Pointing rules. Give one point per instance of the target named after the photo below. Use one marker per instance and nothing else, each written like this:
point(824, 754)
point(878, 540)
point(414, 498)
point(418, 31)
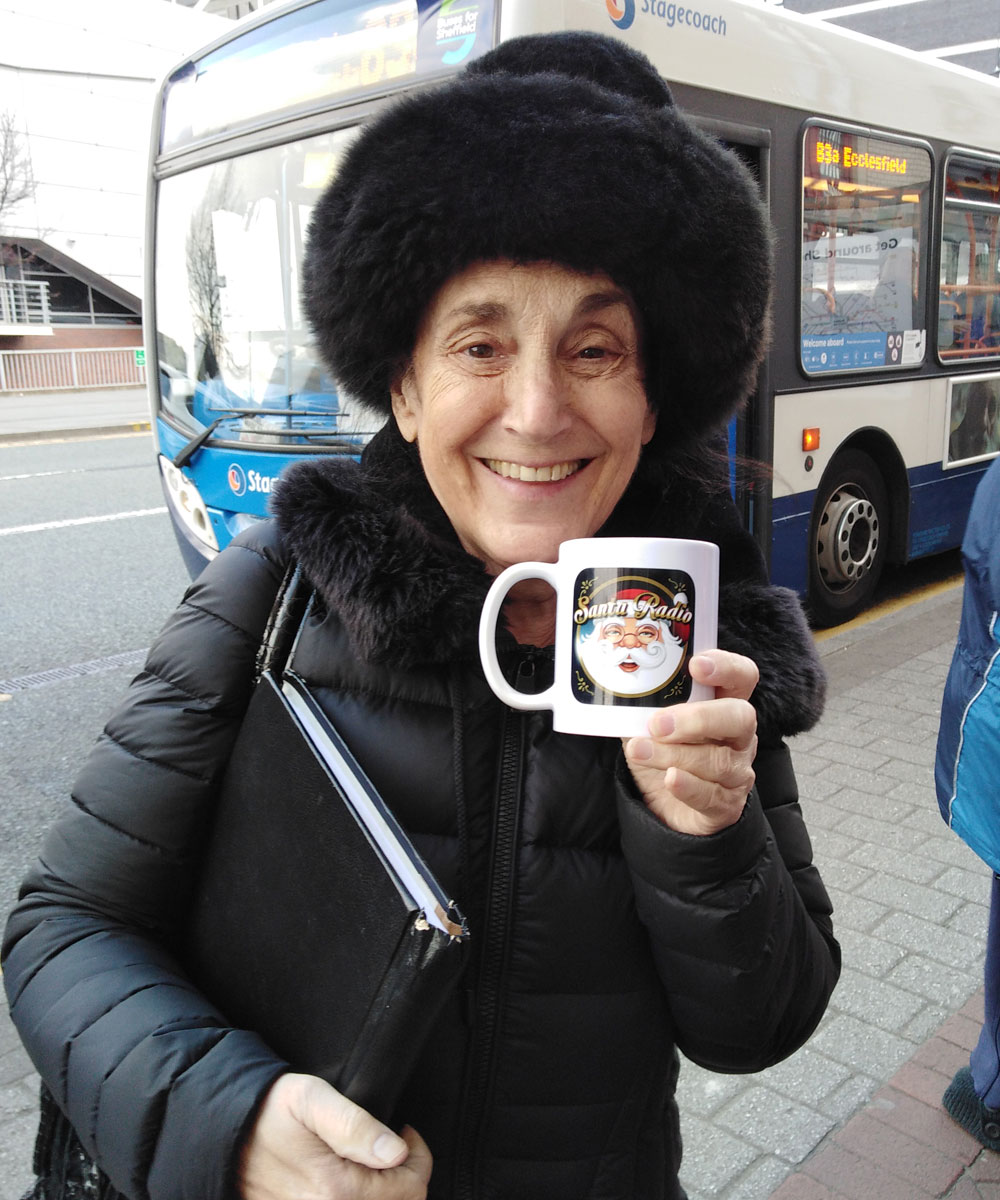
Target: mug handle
point(488, 639)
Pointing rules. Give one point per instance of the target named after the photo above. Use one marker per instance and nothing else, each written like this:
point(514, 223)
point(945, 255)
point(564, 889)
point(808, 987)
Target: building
point(78, 80)
point(231, 9)
point(61, 324)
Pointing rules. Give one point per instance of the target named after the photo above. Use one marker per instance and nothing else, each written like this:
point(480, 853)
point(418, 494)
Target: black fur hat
point(592, 56)
point(563, 148)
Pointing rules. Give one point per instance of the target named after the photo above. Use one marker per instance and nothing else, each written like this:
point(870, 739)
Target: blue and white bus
point(878, 406)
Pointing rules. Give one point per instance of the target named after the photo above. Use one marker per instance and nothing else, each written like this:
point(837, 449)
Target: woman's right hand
point(309, 1140)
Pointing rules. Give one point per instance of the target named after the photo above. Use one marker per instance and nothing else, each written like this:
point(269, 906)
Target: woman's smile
point(552, 473)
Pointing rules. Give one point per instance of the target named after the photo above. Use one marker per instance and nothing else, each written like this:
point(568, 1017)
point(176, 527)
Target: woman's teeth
point(549, 474)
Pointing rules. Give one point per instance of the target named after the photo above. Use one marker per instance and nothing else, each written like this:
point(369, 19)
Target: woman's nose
point(537, 407)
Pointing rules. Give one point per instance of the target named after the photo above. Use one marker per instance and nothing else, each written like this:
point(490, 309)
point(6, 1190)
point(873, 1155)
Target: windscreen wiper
point(188, 451)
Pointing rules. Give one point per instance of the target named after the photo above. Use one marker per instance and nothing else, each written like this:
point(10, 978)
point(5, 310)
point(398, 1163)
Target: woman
point(556, 290)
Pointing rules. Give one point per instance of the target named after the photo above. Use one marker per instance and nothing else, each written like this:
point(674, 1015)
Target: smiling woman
point(515, 272)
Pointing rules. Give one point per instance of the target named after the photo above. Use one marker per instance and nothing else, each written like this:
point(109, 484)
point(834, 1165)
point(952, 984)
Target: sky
point(80, 77)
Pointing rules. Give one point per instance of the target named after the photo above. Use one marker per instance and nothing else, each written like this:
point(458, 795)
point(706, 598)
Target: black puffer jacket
point(603, 939)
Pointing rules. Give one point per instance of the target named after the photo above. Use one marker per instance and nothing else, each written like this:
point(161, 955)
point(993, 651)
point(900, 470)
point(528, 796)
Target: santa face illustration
point(630, 655)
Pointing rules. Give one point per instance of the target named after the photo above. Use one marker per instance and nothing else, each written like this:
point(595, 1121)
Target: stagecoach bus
point(878, 407)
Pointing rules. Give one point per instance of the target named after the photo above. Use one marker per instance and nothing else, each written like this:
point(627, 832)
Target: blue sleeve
point(967, 765)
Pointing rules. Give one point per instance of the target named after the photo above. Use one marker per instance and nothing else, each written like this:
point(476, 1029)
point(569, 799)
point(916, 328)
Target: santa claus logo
point(632, 638)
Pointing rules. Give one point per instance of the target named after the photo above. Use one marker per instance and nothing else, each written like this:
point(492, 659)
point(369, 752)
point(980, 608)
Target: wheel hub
point(848, 539)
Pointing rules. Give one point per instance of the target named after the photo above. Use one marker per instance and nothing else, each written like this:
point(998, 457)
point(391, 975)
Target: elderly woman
point(556, 290)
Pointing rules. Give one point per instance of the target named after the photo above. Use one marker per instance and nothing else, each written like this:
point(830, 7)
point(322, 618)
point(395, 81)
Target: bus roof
point(765, 52)
point(740, 48)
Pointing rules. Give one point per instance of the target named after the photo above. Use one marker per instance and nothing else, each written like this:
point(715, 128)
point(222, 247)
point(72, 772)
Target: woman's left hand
point(694, 770)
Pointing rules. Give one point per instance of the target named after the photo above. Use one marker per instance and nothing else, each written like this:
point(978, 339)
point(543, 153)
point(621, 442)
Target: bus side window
point(865, 214)
point(969, 312)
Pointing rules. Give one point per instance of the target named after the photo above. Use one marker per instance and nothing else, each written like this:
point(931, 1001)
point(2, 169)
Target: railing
point(65, 370)
point(24, 302)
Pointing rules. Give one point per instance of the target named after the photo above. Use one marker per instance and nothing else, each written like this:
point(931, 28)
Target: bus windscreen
point(233, 348)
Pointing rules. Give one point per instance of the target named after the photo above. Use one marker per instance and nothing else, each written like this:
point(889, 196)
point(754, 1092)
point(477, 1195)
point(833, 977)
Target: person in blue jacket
point(967, 773)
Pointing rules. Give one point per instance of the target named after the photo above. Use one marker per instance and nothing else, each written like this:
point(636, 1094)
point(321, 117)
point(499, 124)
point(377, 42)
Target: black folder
point(315, 922)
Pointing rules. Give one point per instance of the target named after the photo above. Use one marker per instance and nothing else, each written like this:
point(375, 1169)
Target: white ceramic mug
point(630, 613)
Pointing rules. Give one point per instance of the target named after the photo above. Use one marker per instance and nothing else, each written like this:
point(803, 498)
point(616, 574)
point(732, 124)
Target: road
point(90, 571)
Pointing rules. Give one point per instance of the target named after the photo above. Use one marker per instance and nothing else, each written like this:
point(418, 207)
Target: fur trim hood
point(383, 557)
point(559, 148)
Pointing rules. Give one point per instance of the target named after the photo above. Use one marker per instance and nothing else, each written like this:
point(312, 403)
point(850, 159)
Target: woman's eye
point(480, 350)
point(593, 352)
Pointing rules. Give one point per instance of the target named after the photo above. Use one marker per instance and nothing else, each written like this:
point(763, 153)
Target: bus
point(877, 408)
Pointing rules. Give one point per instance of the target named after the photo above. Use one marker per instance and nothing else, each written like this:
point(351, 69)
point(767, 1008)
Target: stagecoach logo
point(241, 482)
point(621, 12)
point(237, 480)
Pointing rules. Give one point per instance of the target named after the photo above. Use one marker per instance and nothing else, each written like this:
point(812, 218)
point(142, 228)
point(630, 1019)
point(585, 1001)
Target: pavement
point(856, 1113)
point(25, 416)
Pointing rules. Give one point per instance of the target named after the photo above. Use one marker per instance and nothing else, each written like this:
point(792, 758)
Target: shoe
point(963, 1105)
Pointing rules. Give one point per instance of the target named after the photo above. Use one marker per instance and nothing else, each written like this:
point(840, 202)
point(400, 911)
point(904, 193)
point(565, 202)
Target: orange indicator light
point(810, 440)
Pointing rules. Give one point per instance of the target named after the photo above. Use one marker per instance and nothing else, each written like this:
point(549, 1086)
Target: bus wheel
point(848, 538)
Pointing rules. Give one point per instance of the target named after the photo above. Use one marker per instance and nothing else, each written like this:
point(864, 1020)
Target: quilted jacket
point(604, 941)
point(966, 764)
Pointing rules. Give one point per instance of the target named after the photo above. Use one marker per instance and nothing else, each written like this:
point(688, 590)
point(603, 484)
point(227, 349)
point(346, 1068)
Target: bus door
point(750, 432)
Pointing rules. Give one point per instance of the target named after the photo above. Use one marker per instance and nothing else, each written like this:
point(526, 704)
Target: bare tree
point(17, 179)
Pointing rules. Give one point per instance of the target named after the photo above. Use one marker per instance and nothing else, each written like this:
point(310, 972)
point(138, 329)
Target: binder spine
point(390, 1041)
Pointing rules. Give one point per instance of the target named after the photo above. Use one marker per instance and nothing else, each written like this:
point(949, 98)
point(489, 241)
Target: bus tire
point(848, 538)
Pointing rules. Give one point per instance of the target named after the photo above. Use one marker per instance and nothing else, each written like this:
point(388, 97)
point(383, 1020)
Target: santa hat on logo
point(629, 597)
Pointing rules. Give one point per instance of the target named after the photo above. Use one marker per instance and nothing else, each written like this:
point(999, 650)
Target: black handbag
point(310, 890)
point(63, 1169)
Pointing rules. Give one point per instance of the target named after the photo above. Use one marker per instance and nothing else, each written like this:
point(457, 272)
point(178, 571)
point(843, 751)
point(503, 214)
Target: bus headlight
point(187, 505)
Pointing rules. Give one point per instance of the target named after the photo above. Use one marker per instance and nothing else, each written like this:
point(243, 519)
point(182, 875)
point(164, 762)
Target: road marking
point(22, 683)
point(891, 606)
point(855, 10)
point(14, 441)
point(963, 48)
point(46, 474)
point(121, 516)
